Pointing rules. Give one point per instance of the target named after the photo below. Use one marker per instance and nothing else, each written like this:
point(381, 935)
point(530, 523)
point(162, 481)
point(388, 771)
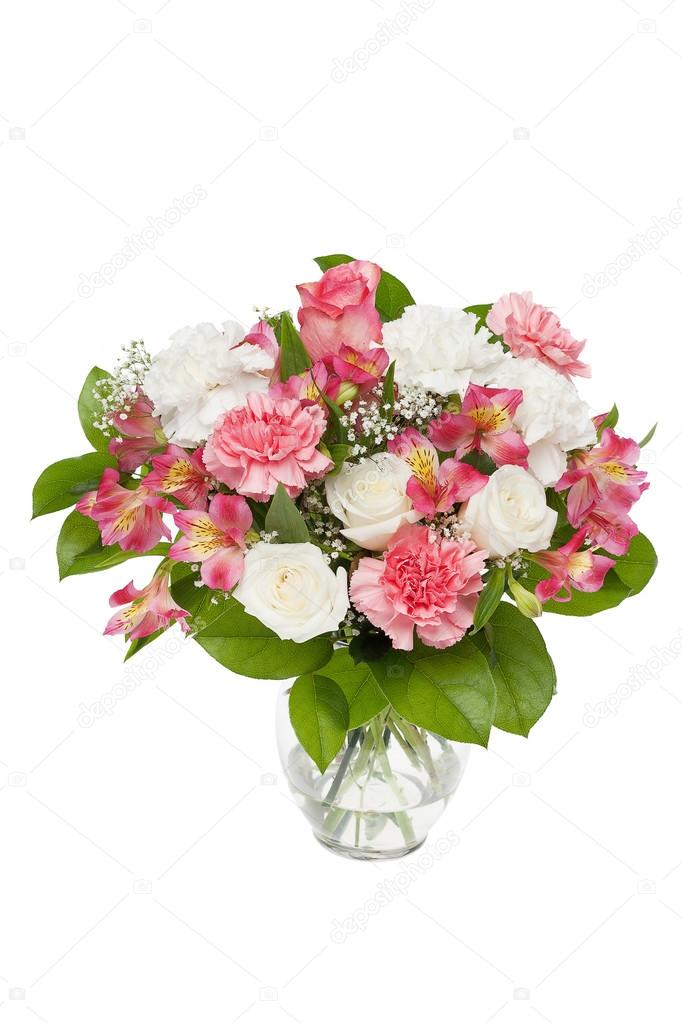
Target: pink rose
point(339, 309)
point(533, 331)
point(421, 581)
point(266, 442)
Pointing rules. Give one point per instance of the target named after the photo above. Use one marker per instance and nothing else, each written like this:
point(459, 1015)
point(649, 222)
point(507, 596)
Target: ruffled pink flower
point(266, 442)
point(422, 581)
point(181, 474)
point(141, 434)
point(148, 610)
point(534, 332)
point(484, 424)
point(571, 568)
point(434, 488)
point(606, 471)
point(130, 518)
point(339, 309)
point(215, 539)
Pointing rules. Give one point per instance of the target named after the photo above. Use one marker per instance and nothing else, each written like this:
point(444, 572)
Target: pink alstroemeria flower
point(181, 474)
point(484, 424)
point(141, 432)
point(149, 609)
point(130, 518)
point(571, 568)
point(307, 387)
point(605, 471)
point(263, 335)
point(358, 371)
point(434, 488)
point(534, 332)
point(215, 539)
point(609, 526)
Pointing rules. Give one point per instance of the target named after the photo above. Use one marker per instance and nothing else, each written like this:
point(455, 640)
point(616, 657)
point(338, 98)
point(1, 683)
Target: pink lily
point(609, 526)
point(141, 432)
point(181, 474)
point(130, 518)
point(571, 568)
point(484, 424)
point(606, 470)
point(434, 488)
point(216, 539)
point(149, 609)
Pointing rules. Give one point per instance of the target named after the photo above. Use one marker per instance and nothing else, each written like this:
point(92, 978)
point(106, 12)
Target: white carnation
point(552, 417)
point(201, 375)
point(439, 348)
point(291, 589)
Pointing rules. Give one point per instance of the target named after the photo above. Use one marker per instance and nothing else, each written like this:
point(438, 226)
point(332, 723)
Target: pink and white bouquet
point(376, 502)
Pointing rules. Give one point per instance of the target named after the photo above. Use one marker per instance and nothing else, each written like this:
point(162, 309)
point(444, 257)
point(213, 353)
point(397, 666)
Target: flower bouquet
point(373, 506)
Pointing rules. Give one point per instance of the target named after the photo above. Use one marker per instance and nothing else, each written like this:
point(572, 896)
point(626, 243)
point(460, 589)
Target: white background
point(153, 867)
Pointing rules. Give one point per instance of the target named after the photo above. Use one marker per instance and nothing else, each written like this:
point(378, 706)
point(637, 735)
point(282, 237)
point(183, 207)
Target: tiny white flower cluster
point(266, 537)
point(368, 426)
point(451, 528)
point(117, 393)
point(325, 525)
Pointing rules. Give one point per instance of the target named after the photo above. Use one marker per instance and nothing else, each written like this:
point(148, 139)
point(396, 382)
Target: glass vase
point(384, 790)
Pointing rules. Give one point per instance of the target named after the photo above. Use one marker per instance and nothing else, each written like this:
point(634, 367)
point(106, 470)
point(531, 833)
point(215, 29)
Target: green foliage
point(522, 670)
point(89, 410)
point(490, 597)
point(648, 436)
point(319, 715)
point(609, 422)
point(363, 696)
point(636, 568)
point(284, 518)
point(64, 483)
point(294, 359)
point(449, 692)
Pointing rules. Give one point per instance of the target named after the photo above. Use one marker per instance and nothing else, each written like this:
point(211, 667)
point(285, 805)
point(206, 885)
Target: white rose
point(552, 417)
point(201, 375)
point(509, 514)
point(290, 588)
point(370, 499)
point(439, 348)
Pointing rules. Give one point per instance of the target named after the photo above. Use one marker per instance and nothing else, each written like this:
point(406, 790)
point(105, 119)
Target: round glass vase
point(384, 790)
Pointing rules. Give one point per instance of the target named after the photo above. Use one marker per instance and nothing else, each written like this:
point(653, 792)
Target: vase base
point(352, 852)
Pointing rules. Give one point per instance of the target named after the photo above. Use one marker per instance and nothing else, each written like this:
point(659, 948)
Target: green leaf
point(136, 645)
point(89, 409)
point(338, 454)
point(481, 314)
point(388, 392)
point(319, 714)
point(335, 414)
point(609, 422)
point(636, 568)
point(645, 440)
point(294, 359)
point(522, 670)
point(285, 519)
point(80, 550)
point(64, 483)
point(240, 642)
point(490, 597)
point(581, 605)
point(449, 692)
point(392, 296)
point(364, 697)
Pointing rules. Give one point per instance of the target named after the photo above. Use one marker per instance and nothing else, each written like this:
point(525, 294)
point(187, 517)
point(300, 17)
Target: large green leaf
point(364, 697)
point(522, 669)
point(450, 692)
point(89, 410)
point(319, 714)
point(285, 519)
point(392, 296)
point(293, 357)
point(80, 550)
point(64, 483)
point(240, 642)
point(636, 568)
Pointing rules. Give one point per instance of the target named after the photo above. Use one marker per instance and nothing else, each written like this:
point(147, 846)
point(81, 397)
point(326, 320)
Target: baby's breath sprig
point(116, 394)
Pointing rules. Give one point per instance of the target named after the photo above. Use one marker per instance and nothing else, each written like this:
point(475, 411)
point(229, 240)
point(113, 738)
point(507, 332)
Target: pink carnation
point(534, 332)
point(421, 581)
point(266, 442)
